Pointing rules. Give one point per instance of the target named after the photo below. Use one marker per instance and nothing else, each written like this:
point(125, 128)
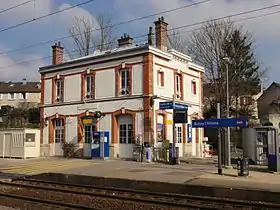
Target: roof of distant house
point(20, 87)
point(209, 89)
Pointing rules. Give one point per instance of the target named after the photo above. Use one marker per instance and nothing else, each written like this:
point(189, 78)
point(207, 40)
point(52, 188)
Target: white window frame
point(179, 134)
point(124, 81)
point(125, 133)
point(89, 129)
point(89, 85)
point(10, 96)
point(21, 96)
point(59, 130)
point(59, 90)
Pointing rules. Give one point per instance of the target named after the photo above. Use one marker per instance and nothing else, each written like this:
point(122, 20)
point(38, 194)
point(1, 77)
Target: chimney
point(57, 53)
point(125, 40)
point(161, 34)
point(151, 36)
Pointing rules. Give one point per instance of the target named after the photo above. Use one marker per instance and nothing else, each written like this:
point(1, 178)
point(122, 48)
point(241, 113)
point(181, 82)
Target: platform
point(200, 179)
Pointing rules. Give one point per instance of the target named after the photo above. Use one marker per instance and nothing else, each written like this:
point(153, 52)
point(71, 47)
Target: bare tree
point(81, 33)
point(176, 41)
point(89, 36)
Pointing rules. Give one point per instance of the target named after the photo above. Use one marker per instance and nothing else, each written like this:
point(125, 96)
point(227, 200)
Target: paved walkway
point(199, 174)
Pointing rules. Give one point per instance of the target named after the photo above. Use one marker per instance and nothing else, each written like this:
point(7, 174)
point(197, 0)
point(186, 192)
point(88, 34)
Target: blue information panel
point(169, 105)
point(222, 122)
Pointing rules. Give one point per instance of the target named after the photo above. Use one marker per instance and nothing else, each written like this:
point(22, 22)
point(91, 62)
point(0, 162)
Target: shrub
point(68, 149)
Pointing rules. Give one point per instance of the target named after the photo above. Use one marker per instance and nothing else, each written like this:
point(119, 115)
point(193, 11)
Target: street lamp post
point(228, 162)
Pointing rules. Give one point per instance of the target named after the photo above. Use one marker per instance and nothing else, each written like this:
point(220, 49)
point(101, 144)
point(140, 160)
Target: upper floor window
point(246, 100)
point(160, 78)
point(194, 87)
point(12, 96)
point(59, 90)
point(178, 86)
point(89, 85)
point(23, 96)
point(125, 81)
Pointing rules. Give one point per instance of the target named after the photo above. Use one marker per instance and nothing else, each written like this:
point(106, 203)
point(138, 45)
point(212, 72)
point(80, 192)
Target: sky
point(13, 65)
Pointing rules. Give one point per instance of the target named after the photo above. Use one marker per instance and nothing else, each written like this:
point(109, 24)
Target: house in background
point(20, 94)
point(269, 105)
point(126, 84)
point(246, 102)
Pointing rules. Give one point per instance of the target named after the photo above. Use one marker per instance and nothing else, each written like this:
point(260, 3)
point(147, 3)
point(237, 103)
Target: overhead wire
point(179, 27)
point(16, 6)
point(45, 16)
point(111, 26)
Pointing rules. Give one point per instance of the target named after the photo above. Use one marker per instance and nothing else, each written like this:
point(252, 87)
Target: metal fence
point(161, 154)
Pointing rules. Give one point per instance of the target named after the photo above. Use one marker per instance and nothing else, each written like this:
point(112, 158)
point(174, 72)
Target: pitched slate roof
point(20, 87)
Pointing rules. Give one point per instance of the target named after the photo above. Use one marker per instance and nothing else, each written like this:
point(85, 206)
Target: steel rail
point(44, 201)
point(166, 195)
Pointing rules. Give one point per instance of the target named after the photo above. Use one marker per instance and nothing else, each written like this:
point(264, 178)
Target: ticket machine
point(100, 145)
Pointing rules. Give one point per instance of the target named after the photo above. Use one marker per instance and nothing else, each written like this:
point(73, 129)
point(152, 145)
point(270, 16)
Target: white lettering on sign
point(206, 123)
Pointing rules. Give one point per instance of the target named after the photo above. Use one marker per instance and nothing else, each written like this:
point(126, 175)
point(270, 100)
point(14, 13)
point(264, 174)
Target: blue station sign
point(221, 122)
point(171, 105)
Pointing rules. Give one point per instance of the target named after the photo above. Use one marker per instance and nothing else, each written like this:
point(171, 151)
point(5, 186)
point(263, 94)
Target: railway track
point(91, 197)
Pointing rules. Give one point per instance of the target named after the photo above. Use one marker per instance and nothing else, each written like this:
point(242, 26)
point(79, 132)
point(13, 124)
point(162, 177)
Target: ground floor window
point(179, 134)
point(125, 133)
point(59, 130)
point(89, 129)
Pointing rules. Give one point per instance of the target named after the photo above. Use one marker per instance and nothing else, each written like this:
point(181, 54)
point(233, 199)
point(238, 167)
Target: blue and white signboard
point(171, 105)
point(221, 122)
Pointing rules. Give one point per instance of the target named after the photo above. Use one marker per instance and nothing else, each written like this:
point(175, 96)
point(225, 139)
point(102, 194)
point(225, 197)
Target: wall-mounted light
point(46, 120)
point(123, 65)
point(88, 71)
point(87, 113)
point(58, 76)
point(56, 115)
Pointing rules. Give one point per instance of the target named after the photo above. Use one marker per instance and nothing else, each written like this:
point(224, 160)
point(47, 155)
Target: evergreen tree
point(244, 72)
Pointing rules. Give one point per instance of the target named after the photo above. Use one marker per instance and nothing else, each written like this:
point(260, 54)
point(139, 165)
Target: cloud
point(11, 67)
point(206, 11)
point(25, 12)
point(65, 19)
point(11, 70)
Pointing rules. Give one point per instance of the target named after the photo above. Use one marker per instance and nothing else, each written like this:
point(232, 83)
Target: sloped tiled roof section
point(20, 87)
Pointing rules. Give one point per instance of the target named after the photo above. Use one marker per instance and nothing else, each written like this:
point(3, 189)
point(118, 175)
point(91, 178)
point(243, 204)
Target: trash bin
point(243, 166)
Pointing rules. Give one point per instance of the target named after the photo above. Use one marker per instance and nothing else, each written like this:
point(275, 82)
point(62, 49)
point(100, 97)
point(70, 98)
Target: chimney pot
point(125, 40)
point(57, 53)
point(151, 36)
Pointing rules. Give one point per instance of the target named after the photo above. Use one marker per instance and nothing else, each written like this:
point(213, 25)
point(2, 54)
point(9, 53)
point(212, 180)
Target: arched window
point(59, 130)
